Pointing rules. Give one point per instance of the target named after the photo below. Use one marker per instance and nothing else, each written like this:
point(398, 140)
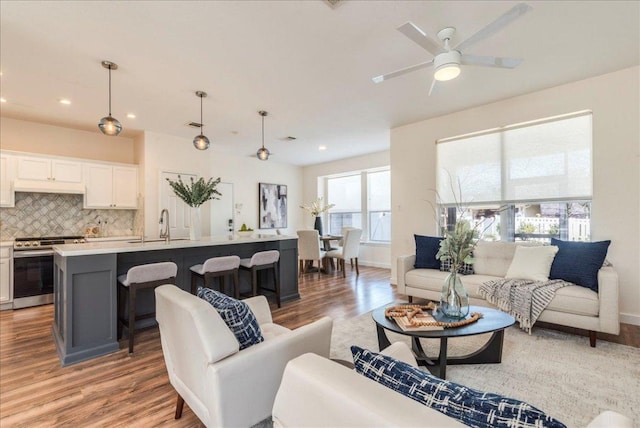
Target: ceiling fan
point(447, 60)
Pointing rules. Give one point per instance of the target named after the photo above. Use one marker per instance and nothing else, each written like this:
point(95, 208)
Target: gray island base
point(85, 284)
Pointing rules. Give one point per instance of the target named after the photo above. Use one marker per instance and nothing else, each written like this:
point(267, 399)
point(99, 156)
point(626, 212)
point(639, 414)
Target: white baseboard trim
point(373, 264)
point(632, 319)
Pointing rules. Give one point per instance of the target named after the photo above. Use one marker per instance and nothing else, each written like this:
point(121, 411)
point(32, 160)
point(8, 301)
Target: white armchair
point(223, 386)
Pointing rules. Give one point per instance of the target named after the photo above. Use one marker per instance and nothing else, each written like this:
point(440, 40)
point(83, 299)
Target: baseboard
point(373, 264)
point(632, 319)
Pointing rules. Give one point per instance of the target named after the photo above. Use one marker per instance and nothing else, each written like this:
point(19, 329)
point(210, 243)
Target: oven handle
point(34, 253)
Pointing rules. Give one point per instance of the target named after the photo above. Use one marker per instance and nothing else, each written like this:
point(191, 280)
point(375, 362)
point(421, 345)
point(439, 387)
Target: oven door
point(32, 278)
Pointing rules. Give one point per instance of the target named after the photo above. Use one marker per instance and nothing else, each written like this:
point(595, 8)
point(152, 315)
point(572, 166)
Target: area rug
point(557, 372)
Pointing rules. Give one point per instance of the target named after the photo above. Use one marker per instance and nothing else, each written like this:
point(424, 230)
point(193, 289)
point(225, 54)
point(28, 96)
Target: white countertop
point(111, 247)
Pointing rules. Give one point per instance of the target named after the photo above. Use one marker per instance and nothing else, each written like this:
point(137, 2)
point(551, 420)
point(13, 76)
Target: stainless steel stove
point(33, 269)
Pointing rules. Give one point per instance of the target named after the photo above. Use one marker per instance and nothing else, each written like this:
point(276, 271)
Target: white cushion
point(533, 263)
point(261, 258)
point(217, 264)
point(149, 272)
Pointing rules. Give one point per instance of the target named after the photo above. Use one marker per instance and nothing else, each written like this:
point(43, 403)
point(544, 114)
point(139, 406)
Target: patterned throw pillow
point(472, 407)
point(236, 314)
point(466, 269)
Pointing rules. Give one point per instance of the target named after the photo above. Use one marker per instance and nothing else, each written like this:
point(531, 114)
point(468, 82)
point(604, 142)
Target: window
point(523, 182)
point(362, 200)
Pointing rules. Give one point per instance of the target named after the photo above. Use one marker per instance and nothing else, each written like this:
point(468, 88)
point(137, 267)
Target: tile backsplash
point(49, 214)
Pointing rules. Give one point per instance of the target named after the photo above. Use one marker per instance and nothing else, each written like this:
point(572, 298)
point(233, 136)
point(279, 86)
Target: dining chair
point(349, 250)
point(309, 250)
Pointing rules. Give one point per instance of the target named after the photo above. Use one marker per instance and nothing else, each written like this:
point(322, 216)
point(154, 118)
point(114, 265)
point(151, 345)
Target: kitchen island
point(85, 283)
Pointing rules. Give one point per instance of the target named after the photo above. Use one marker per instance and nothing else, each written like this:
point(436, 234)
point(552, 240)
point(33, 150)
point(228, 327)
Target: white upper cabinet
point(43, 169)
point(111, 186)
point(7, 174)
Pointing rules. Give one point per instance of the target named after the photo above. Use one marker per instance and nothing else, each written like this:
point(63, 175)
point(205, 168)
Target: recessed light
point(3, 100)
point(322, 147)
point(131, 115)
point(64, 101)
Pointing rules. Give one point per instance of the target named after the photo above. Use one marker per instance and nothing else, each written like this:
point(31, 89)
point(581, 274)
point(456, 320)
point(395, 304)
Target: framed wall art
point(273, 206)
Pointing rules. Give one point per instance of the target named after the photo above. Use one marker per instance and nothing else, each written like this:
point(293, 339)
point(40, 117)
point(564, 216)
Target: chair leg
point(319, 268)
point(344, 275)
point(351, 261)
point(121, 300)
point(236, 283)
point(132, 316)
point(300, 268)
point(592, 338)
point(179, 406)
point(254, 281)
point(410, 299)
point(194, 283)
point(277, 282)
point(357, 269)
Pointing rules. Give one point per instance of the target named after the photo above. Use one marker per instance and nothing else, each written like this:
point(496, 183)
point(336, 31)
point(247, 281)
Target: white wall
point(168, 153)
point(32, 137)
point(370, 254)
point(615, 102)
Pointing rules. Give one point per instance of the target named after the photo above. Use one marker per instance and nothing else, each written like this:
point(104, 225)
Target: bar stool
point(137, 278)
point(261, 261)
point(217, 267)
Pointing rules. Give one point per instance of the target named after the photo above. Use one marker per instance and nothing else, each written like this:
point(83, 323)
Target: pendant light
point(201, 142)
point(110, 125)
point(263, 153)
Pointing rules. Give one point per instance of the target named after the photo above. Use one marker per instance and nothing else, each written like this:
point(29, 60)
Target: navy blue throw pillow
point(579, 262)
point(471, 407)
point(426, 249)
point(236, 314)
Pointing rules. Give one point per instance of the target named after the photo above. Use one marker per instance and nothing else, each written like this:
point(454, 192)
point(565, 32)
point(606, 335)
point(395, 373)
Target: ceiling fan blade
point(434, 82)
point(397, 73)
point(417, 35)
point(501, 22)
point(491, 61)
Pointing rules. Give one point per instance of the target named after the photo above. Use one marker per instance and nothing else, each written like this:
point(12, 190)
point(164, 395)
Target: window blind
point(544, 161)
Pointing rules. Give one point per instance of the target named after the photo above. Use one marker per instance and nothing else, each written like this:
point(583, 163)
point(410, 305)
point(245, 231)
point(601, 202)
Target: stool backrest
point(220, 264)
point(265, 257)
point(308, 244)
point(152, 272)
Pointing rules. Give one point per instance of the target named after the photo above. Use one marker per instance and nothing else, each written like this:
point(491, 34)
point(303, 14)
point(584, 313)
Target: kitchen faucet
point(166, 234)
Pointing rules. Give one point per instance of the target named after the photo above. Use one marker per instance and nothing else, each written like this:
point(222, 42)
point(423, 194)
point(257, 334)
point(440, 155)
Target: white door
point(222, 211)
point(125, 187)
point(99, 181)
point(178, 211)
point(34, 169)
point(66, 171)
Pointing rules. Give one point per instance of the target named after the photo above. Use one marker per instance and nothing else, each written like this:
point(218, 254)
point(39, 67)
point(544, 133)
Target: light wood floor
point(119, 390)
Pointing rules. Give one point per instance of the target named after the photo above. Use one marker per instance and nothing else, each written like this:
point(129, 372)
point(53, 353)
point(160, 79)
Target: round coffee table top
point(492, 320)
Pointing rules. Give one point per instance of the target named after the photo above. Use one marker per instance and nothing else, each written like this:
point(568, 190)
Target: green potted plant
point(457, 248)
point(244, 231)
point(195, 193)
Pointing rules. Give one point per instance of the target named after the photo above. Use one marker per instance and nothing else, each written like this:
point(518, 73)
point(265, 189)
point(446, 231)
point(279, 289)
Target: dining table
point(329, 266)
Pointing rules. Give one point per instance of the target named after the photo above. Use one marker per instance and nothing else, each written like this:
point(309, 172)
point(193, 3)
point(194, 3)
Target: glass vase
point(454, 300)
point(195, 228)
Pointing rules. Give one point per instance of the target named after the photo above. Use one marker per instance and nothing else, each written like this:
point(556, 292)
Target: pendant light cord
point(109, 90)
point(262, 132)
point(201, 123)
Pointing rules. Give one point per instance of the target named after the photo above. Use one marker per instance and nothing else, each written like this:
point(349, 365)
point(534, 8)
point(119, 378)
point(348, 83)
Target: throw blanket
point(521, 298)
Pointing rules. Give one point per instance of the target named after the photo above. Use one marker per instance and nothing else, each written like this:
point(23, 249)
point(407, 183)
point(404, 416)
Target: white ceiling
point(308, 65)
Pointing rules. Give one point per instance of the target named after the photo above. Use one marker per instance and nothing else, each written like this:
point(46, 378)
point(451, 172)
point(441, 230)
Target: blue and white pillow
point(465, 269)
point(471, 407)
point(236, 314)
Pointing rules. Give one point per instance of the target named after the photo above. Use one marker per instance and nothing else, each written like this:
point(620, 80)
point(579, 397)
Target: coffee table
point(493, 321)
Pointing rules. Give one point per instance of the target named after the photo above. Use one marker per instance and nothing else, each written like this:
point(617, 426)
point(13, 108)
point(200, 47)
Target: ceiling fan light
point(201, 142)
point(447, 72)
point(110, 126)
point(263, 154)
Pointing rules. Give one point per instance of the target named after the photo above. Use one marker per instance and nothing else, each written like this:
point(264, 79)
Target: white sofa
point(317, 392)
point(573, 306)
